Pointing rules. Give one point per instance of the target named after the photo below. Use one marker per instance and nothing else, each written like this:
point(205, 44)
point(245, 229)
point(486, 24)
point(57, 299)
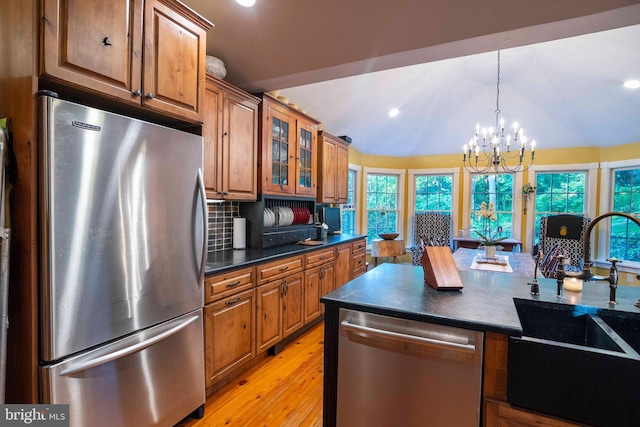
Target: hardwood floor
point(283, 390)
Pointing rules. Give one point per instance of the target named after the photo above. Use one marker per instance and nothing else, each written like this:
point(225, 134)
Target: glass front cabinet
point(289, 150)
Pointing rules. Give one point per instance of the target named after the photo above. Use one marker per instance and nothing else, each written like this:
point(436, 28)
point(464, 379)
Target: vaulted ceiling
point(347, 63)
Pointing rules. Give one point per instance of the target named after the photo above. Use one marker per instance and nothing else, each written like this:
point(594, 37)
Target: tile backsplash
point(220, 225)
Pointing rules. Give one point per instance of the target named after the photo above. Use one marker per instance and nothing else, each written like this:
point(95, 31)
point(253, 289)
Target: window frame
point(401, 173)
point(607, 169)
point(411, 197)
point(591, 182)
point(357, 184)
point(516, 226)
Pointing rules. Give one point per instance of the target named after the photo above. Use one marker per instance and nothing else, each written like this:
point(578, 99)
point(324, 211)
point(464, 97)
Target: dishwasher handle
point(411, 339)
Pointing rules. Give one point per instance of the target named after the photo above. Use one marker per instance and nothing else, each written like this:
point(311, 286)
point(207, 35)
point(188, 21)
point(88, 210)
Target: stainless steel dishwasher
point(396, 372)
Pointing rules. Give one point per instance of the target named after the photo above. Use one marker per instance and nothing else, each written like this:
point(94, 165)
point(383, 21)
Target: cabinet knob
point(225, 134)
point(137, 92)
point(149, 95)
point(106, 42)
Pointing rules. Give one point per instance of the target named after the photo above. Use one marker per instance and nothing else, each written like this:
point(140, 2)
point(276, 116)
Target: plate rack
point(261, 236)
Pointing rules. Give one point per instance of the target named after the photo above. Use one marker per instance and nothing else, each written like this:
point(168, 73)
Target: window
point(569, 188)
point(624, 239)
point(434, 190)
point(433, 193)
point(384, 191)
point(559, 193)
point(349, 208)
point(496, 189)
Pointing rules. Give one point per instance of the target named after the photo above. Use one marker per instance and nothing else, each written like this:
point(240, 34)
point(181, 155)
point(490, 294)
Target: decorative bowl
point(388, 236)
point(215, 67)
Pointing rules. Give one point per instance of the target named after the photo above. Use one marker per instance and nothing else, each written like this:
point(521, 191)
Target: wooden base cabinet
point(333, 164)
point(229, 334)
point(280, 300)
point(230, 132)
point(229, 322)
point(280, 309)
point(359, 258)
point(149, 53)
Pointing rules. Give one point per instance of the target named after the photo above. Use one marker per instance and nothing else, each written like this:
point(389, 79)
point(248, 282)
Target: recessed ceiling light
point(246, 3)
point(632, 84)
point(394, 112)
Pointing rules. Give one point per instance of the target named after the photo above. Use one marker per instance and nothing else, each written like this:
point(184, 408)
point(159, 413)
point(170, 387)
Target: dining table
point(516, 263)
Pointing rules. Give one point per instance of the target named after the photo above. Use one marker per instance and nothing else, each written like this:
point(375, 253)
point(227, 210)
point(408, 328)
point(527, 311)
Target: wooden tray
point(311, 243)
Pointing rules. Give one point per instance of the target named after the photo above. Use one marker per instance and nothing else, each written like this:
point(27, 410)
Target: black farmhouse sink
point(577, 363)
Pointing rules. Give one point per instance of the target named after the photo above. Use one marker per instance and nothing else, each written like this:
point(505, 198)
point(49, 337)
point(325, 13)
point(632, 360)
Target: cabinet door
point(278, 153)
point(99, 48)
point(327, 280)
point(293, 304)
point(229, 334)
point(269, 316)
point(211, 134)
point(306, 158)
point(174, 58)
point(239, 149)
point(343, 265)
point(342, 174)
point(312, 288)
point(327, 178)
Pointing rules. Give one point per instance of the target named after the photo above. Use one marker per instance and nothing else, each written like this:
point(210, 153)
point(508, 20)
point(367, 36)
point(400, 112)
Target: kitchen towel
point(239, 233)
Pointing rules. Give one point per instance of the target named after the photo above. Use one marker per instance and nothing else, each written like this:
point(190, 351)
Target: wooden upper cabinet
point(288, 146)
point(230, 131)
point(149, 53)
point(333, 164)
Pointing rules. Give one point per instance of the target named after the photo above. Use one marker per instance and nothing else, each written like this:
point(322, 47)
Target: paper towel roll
point(239, 233)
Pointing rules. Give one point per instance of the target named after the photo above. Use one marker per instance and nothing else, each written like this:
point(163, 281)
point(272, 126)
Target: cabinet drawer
point(359, 246)
point(320, 257)
point(359, 260)
point(269, 240)
point(223, 285)
point(359, 271)
point(280, 268)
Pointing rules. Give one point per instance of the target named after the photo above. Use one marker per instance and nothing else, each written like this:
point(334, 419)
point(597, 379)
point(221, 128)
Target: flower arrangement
point(527, 190)
point(487, 214)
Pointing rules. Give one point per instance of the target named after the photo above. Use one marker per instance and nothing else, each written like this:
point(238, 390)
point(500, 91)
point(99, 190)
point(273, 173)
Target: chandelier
point(492, 148)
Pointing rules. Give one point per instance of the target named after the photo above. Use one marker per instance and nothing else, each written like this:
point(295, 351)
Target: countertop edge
point(231, 259)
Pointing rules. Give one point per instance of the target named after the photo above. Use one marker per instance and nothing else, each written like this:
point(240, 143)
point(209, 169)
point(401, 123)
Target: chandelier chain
point(498, 93)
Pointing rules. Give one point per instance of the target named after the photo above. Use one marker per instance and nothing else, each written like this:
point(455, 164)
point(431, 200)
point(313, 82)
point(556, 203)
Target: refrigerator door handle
point(83, 366)
point(203, 195)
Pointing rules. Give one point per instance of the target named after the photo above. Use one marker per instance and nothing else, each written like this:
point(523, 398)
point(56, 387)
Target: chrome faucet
point(586, 273)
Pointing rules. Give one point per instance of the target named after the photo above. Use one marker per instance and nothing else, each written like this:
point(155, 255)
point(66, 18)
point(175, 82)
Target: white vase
point(490, 252)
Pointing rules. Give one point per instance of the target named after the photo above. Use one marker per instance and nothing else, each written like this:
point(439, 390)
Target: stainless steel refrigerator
point(123, 222)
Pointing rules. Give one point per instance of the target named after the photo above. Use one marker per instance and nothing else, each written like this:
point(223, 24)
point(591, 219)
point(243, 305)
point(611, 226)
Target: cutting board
point(440, 271)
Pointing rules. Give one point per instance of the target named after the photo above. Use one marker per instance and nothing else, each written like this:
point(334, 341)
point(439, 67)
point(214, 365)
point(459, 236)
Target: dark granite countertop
point(485, 303)
point(220, 261)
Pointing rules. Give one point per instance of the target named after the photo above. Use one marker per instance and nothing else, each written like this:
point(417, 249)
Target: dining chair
point(430, 228)
point(562, 234)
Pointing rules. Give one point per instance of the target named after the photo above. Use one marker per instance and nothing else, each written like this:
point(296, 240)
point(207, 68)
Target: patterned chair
point(430, 226)
point(562, 234)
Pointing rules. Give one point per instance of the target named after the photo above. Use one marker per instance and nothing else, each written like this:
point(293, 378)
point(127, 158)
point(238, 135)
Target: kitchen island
point(486, 304)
